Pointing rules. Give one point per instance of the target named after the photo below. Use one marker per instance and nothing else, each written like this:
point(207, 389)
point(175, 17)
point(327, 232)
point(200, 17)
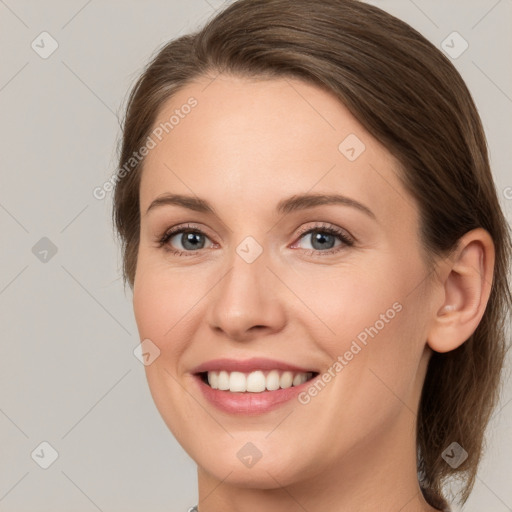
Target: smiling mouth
point(254, 382)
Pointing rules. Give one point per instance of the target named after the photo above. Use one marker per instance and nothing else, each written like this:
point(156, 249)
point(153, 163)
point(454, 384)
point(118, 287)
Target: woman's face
point(261, 272)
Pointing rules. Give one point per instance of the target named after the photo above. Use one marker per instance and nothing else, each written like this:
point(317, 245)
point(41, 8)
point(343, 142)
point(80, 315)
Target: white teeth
point(223, 381)
point(273, 380)
point(299, 379)
point(237, 382)
point(213, 380)
point(286, 380)
point(257, 381)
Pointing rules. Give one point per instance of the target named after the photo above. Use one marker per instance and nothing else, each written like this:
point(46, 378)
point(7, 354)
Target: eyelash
point(346, 240)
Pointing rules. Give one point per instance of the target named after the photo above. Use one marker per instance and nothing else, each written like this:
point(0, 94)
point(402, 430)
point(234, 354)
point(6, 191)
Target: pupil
point(192, 239)
point(322, 237)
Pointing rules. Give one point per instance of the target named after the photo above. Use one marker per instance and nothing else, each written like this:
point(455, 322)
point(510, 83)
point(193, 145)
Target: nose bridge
point(246, 295)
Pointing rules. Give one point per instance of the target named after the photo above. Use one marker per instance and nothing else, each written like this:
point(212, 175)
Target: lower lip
point(249, 403)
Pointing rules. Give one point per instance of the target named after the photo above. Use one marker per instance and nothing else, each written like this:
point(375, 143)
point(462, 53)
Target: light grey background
point(68, 375)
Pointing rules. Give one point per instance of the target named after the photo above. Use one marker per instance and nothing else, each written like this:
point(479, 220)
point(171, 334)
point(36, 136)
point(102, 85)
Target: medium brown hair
point(411, 98)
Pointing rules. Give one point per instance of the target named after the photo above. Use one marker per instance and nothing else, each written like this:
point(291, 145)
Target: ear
point(465, 280)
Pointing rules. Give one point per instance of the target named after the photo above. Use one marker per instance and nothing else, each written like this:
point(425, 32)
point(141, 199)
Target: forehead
point(249, 142)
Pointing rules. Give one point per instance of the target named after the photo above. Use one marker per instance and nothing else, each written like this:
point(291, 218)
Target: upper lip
point(247, 365)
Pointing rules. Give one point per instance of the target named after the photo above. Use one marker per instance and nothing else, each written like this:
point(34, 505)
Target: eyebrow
point(285, 206)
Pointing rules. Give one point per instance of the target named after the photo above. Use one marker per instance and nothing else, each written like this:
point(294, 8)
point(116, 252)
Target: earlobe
point(466, 290)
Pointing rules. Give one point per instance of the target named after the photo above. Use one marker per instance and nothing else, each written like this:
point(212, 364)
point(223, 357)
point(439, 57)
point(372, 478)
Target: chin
point(261, 476)
point(272, 465)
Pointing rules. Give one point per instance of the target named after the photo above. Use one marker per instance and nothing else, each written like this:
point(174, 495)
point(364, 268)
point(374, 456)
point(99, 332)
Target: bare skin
point(247, 145)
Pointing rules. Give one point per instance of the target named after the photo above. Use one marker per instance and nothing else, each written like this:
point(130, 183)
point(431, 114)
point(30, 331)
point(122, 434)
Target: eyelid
point(163, 238)
point(347, 240)
point(339, 231)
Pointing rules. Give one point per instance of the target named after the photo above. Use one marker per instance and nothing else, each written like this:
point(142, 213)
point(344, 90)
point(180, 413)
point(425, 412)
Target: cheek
point(169, 308)
point(351, 303)
point(163, 315)
point(151, 305)
point(158, 298)
point(158, 310)
point(386, 331)
point(374, 319)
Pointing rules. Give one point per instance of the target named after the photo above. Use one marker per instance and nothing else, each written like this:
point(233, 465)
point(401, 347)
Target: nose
point(247, 301)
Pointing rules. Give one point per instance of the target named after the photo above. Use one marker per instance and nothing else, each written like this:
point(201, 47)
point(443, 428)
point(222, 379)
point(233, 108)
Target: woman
point(355, 376)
